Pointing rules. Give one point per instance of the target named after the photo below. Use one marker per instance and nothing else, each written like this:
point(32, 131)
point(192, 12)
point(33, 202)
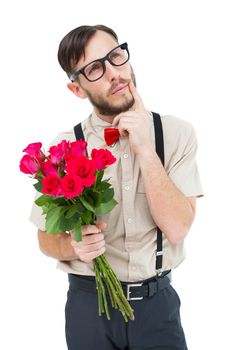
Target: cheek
point(97, 89)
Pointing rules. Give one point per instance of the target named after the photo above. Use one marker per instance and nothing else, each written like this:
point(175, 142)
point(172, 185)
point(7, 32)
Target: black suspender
point(159, 145)
point(78, 131)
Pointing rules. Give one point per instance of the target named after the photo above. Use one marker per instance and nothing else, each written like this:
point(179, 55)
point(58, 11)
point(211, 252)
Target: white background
point(181, 52)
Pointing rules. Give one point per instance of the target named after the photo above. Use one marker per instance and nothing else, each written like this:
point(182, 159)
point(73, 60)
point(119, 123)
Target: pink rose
point(79, 147)
point(71, 156)
point(102, 158)
point(34, 150)
point(71, 186)
point(51, 185)
point(28, 165)
point(48, 168)
point(57, 152)
point(84, 168)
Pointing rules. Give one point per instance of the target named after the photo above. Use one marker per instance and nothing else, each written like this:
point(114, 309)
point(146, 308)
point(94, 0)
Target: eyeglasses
point(96, 69)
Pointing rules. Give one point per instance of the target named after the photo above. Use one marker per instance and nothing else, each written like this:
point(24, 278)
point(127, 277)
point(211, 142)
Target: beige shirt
point(130, 234)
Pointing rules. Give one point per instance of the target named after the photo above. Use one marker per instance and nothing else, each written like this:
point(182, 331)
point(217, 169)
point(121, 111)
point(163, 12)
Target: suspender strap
point(159, 143)
point(78, 132)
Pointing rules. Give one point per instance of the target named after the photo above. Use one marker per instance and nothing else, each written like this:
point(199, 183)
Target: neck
point(106, 118)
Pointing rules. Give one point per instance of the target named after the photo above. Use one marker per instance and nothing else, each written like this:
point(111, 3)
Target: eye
point(93, 68)
point(118, 57)
point(114, 55)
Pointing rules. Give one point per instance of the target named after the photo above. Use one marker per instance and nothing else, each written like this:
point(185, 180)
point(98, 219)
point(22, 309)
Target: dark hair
point(72, 46)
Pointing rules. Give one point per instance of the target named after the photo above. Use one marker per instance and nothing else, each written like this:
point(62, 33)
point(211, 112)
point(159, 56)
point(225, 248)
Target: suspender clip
point(159, 253)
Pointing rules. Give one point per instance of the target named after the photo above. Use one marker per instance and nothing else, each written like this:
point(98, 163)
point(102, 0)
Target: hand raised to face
point(135, 123)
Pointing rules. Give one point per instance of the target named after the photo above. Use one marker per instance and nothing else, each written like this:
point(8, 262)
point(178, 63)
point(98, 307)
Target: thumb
point(101, 224)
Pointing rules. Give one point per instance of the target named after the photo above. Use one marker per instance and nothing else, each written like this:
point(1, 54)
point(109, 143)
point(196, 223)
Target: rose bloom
point(58, 152)
point(28, 165)
point(84, 168)
point(102, 158)
point(70, 156)
point(34, 150)
point(48, 168)
point(71, 186)
point(51, 185)
point(79, 147)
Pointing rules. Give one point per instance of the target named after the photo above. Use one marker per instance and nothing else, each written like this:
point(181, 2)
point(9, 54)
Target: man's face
point(110, 95)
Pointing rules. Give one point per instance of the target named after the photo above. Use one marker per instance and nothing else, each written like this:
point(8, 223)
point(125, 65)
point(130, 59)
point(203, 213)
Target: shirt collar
point(98, 122)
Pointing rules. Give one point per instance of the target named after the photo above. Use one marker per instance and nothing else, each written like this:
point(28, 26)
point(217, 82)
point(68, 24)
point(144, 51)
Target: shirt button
point(130, 220)
point(125, 155)
point(127, 188)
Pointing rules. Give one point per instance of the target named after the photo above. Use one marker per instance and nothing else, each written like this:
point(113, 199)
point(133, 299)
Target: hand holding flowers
point(73, 194)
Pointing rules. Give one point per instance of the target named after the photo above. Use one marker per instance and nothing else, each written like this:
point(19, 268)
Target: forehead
point(98, 46)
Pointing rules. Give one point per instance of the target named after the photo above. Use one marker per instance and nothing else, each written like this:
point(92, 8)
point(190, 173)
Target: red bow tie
point(111, 135)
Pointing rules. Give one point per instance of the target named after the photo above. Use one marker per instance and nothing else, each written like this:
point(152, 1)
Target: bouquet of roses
point(73, 194)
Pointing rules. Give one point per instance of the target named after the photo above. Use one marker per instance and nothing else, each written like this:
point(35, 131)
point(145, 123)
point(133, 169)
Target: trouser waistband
point(132, 290)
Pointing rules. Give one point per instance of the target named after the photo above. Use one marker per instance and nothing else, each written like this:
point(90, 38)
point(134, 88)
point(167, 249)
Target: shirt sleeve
point(37, 217)
point(182, 167)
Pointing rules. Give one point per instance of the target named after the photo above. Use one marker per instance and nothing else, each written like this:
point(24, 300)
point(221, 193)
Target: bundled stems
point(105, 277)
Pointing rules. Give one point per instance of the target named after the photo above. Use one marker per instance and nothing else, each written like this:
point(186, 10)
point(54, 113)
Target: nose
point(112, 72)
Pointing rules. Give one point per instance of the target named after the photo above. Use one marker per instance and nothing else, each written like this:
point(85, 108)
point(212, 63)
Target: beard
point(105, 108)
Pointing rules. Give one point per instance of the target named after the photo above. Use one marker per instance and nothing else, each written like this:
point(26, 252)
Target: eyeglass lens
point(117, 57)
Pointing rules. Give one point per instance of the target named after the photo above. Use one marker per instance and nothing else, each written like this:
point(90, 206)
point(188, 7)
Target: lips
point(119, 88)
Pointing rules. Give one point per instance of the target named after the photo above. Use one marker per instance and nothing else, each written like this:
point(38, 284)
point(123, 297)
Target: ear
point(77, 90)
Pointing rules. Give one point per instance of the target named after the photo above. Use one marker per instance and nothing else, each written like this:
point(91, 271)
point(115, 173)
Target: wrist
point(67, 251)
point(146, 153)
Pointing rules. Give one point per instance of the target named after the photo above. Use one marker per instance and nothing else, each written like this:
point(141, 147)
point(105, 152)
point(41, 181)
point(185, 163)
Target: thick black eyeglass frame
point(75, 75)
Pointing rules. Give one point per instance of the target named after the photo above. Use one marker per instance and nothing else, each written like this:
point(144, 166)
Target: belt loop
point(152, 288)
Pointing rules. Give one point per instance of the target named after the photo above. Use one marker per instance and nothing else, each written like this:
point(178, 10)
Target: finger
point(101, 225)
point(135, 94)
point(89, 229)
point(125, 125)
point(88, 257)
point(119, 117)
point(132, 89)
point(116, 120)
point(91, 239)
point(87, 248)
point(88, 239)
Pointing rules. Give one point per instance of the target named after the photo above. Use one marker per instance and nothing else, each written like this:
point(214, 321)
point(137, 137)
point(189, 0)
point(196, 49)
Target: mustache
point(116, 83)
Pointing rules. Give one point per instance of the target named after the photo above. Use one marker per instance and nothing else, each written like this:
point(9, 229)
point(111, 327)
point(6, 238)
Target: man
point(150, 197)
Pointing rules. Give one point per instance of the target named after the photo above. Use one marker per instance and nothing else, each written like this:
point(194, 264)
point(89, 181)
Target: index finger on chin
point(135, 94)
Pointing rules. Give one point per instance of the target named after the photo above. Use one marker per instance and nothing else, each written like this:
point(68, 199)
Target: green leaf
point(71, 211)
point(48, 206)
point(99, 176)
point(78, 231)
point(53, 220)
point(80, 208)
point(94, 197)
point(105, 208)
point(107, 195)
point(104, 185)
point(86, 204)
point(87, 217)
point(38, 186)
point(66, 224)
point(60, 201)
point(42, 200)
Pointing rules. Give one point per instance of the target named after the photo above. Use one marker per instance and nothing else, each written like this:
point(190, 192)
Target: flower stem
point(105, 276)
